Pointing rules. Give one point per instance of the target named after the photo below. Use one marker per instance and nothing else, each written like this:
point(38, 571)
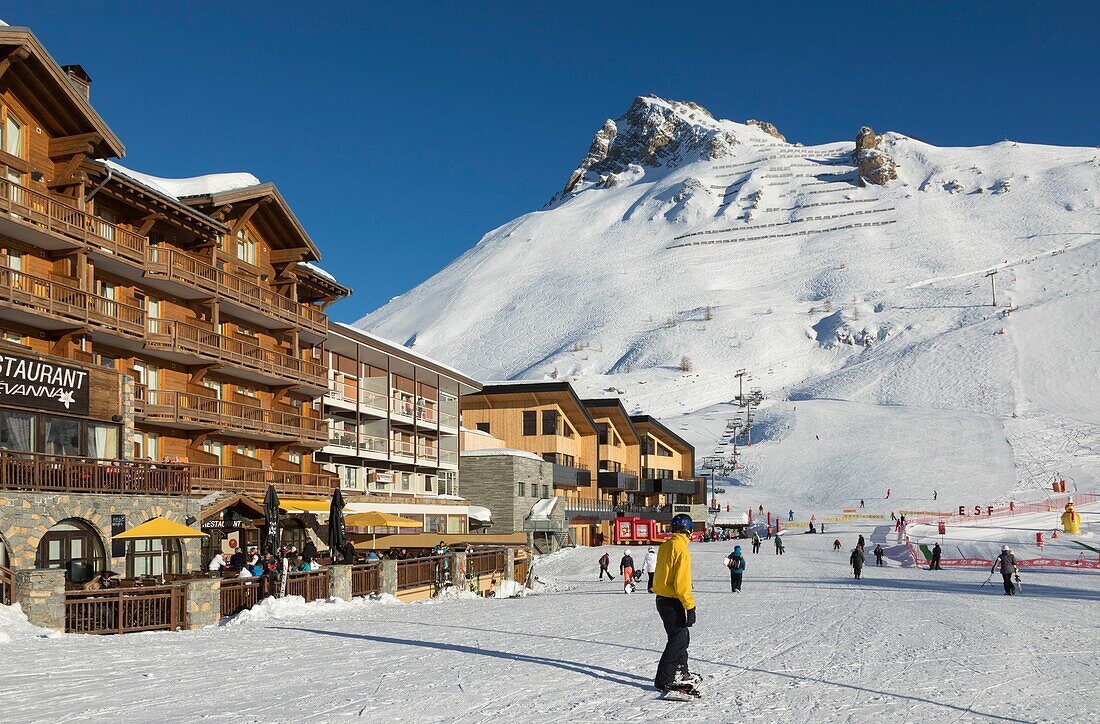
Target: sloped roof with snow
point(178, 188)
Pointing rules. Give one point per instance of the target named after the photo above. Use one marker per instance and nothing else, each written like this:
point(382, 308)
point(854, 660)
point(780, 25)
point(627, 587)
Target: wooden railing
point(240, 594)
point(35, 471)
point(520, 572)
point(125, 610)
point(417, 572)
point(254, 481)
point(485, 561)
point(310, 585)
point(366, 579)
point(38, 210)
point(189, 406)
point(206, 342)
point(44, 296)
point(7, 586)
point(186, 269)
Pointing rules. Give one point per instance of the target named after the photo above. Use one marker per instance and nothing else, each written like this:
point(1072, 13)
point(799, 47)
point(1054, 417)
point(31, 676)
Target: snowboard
point(680, 695)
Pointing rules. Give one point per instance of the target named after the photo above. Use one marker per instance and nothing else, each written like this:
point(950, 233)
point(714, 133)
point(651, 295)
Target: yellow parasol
point(159, 528)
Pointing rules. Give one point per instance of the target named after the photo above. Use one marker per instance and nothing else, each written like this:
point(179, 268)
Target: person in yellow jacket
point(1071, 520)
point(676, 607)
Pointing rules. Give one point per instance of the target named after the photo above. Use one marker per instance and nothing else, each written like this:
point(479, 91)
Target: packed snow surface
point(803, 642)
point(178, 188)
point(688, 247)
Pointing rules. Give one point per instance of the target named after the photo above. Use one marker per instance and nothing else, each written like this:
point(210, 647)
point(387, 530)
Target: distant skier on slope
point(790, 516)
point(650, 566)
point(856, 559)
point(605, 561)
point(861, 503)
point(935, 494)
point(888, 492)
point(676, 607)
point(878, 554)
point(736, 563)
point(626, 567)
point(1007, 562)
point(778, 544)
point(836, 544)
point(755, 542)
point(861, 543)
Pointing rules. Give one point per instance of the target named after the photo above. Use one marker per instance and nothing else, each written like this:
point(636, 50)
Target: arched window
point(153, 557)
point(74, 545)
point(294, 533)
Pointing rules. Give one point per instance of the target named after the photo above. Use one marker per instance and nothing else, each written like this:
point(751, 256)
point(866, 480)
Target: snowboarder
point(778, 544)
point(676, 607)
point(650, 566)
point(856, 559)
point(790, 516)
point(935, 494)
point(626, 567)
point(605, 561)
point(755, 542)
point(1007, 562)
point(836, 544)
point(878, 554)
point(936, 553)
point(861, 502)
point(888, 492)
point(736, 563)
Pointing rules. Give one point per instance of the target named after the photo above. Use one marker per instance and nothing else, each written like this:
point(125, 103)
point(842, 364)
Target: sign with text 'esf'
point(29, 382)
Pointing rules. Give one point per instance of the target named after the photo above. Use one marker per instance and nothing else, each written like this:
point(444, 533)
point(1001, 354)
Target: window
point(246, 391)
point(13, 134)
point(146, 446)
point(75, 546)
point(601, 432)
point(546, 491)
point(294, 533)
point(104, 361)
point(663, 451)
point(16, 337)
point(17, 431)
point(248, 451)
point(649, 446)
point(294, 457)
point(61, 436)
point(246, 248)
point(349, 477)
point(107, 290)
point(102, 440)
point(153, 557)
point(406, 481)
point(521, 491)
point(15, 260)
point(530, 422)
point(483, 427)
point(566, 429)
point(213, 447)
point(428, 483)
point(245, 331)
point(549, 422)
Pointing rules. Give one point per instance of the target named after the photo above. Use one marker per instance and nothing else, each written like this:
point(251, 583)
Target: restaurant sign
point(29, 382)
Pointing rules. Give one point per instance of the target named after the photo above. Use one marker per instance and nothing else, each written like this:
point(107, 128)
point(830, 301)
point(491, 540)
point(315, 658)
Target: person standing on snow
point(888, 491)
point(626, 567)
point(769, 533)
point(736, 563)
point(878, 554)
point(755, 542)
point(650, 566)
point(676, 607)
point(605, 561)
point(790, 516)
point(778, 544)
point(936, 553)
point(1007, 562)
point(861, 502)
point(856, 559)
point(861, 543)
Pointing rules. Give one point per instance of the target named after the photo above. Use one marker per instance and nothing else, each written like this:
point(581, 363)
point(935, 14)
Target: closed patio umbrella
point(270, 542)
point(336, 527)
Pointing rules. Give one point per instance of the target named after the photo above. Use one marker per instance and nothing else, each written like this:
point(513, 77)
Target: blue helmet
point(682, 523)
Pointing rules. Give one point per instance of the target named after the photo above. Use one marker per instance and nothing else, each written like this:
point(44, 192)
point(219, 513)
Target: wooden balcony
point(190, 339)
point(254, 481)
point(65, 303)
point(192, 409)
point(33, 211)
point(63, 474)
point(182, 268)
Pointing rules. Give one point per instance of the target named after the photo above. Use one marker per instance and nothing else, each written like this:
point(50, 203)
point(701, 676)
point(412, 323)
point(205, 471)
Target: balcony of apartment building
point(254, 478)
point(661, 481)
point(195, 342)
point(346, 393)
point(194, 411)
point(611, 476)
point(567, 472)
point(448, 414)
point(184, 275)
point(417, 411)
point(56, 305)
point(345, 442)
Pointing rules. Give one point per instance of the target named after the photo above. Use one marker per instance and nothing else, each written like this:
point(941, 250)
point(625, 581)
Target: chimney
point(80, 80)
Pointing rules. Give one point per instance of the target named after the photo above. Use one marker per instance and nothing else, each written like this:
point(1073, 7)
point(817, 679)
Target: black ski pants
point(878, 560)
point(858, 570)
point(735, 581)
point(755, 547)
point(675, 655)
point(1010, 587)
point(604, 570)
point(649, 586)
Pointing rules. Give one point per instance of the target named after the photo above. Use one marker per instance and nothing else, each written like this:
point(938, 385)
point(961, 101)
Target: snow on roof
point(731, 518)
point(318, 271)
point(479, 513)
point(543, 509)
point(492, 451)
point(178, 188)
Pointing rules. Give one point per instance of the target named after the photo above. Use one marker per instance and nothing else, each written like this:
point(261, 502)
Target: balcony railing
point(406, 408)
point(403, 448)
point(183, 268)
point(38, 210)
point(44, 296)
point(448, 457)
point(591, 505)
point(191, 407)
point(55, 473)
point(427, 452)
point(448, 419)
point(254, 481)
point(184, 337)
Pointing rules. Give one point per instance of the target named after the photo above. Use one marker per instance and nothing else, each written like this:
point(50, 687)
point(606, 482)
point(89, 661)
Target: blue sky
point(402, 132)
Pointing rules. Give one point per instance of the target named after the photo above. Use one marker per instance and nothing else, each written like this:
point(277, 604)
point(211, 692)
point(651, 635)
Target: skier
point(605, 561)
point(936, 553)
point(935, 494)
point(1007, 562)
point(676, 607)
point(790, 516)
point(755, 542)
point(626, 567)
point(769, 534)
point(893, 517)
point(836, 544)
point(861, 543)
point(861, 502)
point(888, 491)
point(856, 559)
point(650, 566)
point(878, 554)
point(736, 563)
point(778, 544)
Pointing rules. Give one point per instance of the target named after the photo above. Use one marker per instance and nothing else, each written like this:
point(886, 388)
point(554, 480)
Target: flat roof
point(399, 350)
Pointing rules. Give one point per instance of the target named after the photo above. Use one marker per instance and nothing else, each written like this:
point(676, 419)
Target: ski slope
point(694, 240)
point(804, 642)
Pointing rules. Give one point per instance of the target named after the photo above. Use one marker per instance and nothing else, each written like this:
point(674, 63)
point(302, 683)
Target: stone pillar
point(509, 564)
point(204, 602)
point(41, 594)
point(128, 396)
point(389, 577)
point(339, 582)
point(458, 570)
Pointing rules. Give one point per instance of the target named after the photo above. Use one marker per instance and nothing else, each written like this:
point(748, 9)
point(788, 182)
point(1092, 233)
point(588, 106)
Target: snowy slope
point(685, 236)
